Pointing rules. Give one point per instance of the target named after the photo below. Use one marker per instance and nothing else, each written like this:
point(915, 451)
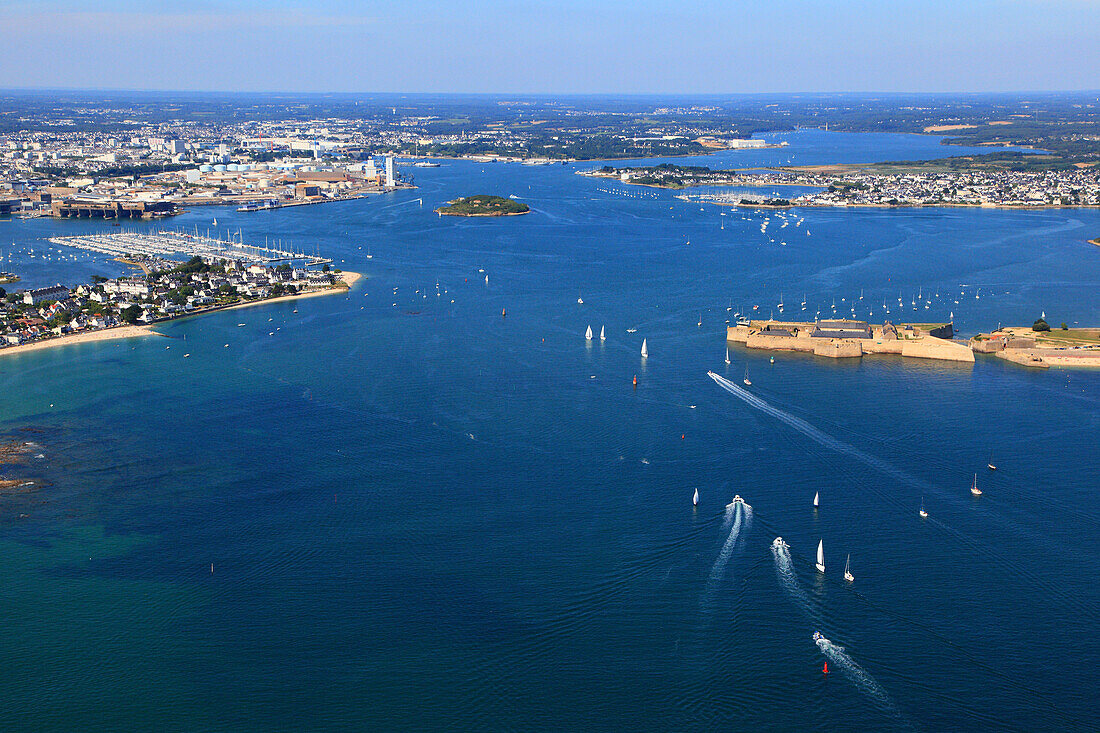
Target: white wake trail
point(814, 434)
point(857, 675)
point(742, 518)
point(742, 521)
point(784, 572)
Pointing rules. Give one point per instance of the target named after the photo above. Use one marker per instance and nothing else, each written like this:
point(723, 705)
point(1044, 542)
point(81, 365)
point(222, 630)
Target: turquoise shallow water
point(426, 515)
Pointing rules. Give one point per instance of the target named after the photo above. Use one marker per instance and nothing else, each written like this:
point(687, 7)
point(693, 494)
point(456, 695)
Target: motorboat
point(779, 544)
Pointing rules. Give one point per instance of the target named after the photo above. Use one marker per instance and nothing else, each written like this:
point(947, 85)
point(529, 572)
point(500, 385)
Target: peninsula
point(212, 280)
point(483, 205)
point(879, 185)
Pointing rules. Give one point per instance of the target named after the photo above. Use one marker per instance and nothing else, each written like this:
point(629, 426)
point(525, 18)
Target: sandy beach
point(124, 332)
point(85, 337)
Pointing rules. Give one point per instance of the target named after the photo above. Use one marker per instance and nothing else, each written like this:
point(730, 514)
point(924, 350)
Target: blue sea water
point(391, 511)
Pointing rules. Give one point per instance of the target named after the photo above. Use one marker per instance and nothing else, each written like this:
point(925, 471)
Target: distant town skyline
point(691, 47)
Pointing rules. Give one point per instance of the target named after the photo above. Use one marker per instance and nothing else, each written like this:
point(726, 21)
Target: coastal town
point(165, 290)
point(852, 187)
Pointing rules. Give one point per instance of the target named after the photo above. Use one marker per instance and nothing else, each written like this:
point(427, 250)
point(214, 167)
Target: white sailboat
point(645, 351)
point(746, 379)
point(820, 565)
point(215, 221)
point(817, 499)
point(847, 569)
point(974, 487)
point(924, 514)
point(695, 498)
point(727, 355)
point(580, 300)
point(991, 464)
point(603, 336)
point(588, 334)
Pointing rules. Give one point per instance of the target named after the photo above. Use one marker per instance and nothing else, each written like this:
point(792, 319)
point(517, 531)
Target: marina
point(169, 243)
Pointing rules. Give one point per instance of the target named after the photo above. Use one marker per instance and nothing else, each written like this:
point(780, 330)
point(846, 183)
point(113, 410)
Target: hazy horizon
point(701, 47)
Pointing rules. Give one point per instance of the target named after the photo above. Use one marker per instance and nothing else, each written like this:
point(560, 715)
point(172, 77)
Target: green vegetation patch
point(484, 205)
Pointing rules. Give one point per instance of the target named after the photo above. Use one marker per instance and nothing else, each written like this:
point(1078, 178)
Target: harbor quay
point(839, 339)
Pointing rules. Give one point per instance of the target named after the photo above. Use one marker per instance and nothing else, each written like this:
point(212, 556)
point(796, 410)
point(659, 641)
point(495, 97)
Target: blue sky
point(518, 46)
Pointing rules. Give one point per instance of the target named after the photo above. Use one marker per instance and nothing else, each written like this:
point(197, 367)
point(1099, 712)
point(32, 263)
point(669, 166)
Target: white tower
point(390, 182)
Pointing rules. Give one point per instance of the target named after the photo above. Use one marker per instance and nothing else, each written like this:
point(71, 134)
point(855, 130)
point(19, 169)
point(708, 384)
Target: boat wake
point(814, 434)
point(742, 521)
point(784, 573)
point(857, 675)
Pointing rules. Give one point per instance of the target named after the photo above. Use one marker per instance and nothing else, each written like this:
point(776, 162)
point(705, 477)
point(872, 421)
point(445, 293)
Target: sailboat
point(992, 466)
point(817, 499)
point(820, 565)
point(645, 351)
point(780, 303)
point(923, 513)
point(580, 300)
point(695, 498)
point(215, 221)
point(974, 487)
point(700, 323)
point(369, 255)
point(746, 379)
point(588, 334)
point(602, 336)
point(847, 569)
point(727, 355)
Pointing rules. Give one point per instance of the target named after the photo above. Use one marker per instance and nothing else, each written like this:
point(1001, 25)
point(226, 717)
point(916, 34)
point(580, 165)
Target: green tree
point(130, 314)
point(1040, 325)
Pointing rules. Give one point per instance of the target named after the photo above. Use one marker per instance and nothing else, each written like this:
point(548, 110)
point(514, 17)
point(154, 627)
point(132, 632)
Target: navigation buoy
point(825, 669)
point(635, 381)
point(503, 312)
point(682, 435)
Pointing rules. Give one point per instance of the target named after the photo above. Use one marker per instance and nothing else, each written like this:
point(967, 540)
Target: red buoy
point(825, 669)
point(635, 381)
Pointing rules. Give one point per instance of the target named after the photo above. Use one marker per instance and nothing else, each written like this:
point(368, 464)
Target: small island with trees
point(483, 205)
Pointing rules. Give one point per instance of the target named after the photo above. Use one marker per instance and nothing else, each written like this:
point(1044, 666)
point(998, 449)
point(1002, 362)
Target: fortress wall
point(838, 348)
point(988, 346)
point(1023, 358)
point(930, 347)
point(737, 333)
point(882, 347)
point(762, 340)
